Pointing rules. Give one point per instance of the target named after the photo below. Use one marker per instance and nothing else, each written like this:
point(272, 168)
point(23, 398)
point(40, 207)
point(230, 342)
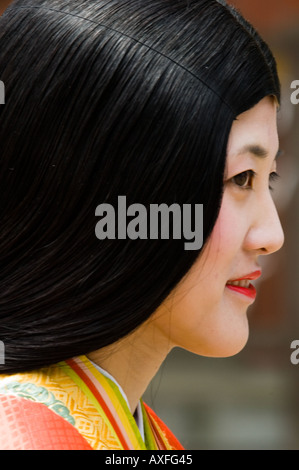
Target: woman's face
point(206, 313)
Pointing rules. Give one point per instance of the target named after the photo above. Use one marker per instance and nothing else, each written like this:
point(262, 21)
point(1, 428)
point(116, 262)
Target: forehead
point(255, 131)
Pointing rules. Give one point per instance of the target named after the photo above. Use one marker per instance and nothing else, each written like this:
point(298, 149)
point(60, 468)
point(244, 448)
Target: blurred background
point(251, 401)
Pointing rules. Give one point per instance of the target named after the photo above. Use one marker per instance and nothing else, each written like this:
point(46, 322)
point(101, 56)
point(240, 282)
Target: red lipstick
point(245, 287)
point(250, 277)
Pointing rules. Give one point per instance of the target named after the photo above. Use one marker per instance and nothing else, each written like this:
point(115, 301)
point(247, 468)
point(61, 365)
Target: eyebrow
point(258, 151)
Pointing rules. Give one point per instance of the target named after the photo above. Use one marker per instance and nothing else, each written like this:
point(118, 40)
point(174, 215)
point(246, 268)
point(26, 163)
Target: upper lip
point(250, 277)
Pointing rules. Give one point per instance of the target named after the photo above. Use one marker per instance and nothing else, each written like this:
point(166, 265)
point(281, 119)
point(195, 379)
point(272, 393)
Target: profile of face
point(206, 312)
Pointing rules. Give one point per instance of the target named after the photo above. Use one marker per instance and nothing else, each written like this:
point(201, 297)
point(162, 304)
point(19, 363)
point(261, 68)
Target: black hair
point(107, 98)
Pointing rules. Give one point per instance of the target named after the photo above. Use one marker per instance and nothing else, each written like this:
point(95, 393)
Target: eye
point(244, 179)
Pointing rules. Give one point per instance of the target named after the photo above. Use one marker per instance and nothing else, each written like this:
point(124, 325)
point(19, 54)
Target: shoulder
point(33, 415)
point(46, 409)
point(29, 425)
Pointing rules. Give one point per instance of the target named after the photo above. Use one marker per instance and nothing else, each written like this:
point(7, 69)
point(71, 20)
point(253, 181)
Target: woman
point(160, 101)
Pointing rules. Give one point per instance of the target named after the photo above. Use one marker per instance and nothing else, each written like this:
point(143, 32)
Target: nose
point(265, 235)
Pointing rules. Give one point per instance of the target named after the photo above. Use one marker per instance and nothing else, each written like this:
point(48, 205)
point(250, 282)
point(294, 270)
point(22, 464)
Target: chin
point(233, 351)
point(226, 346)
point(231, 348)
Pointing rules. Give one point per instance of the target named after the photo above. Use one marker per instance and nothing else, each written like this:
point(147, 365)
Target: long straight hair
point(107, 98)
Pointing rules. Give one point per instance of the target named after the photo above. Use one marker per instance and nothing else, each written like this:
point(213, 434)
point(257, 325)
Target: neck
point(134, 360)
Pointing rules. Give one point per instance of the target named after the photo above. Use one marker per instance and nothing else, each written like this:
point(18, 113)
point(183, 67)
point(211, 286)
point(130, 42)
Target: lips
point(243, 286)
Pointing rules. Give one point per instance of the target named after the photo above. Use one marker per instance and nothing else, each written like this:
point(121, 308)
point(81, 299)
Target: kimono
point(73, 406)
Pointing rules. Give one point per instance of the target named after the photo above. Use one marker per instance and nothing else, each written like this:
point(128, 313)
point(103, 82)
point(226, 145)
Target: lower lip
point(249, 292)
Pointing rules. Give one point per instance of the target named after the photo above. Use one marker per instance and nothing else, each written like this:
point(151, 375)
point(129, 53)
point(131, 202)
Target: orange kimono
point(73, 406)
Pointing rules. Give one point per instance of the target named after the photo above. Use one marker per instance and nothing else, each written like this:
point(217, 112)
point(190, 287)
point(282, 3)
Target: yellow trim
point(119, 404)
point(80, 383)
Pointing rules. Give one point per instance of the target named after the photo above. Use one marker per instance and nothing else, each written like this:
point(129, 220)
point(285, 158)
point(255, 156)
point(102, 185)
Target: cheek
point(223, 243)
point(206, 280)
point(228, 234)
point(199, 299)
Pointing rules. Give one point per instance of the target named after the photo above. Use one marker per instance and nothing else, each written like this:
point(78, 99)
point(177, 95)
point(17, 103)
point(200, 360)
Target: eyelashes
point(273, 177)
point(245, 179)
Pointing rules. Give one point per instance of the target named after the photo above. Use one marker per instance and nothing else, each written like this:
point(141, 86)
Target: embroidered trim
point(38, 394)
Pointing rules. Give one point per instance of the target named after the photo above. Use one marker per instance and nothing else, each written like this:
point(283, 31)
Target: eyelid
point(273, 176)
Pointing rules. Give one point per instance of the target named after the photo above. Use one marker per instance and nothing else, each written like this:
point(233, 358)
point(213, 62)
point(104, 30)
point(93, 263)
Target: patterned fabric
point(71, 405)
point(27, 425)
